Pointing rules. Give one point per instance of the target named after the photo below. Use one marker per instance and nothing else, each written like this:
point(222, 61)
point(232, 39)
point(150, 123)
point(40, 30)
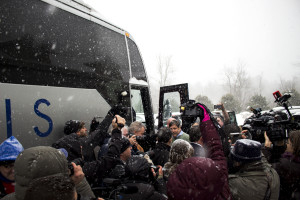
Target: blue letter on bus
point(42, 115)
point(8, 118)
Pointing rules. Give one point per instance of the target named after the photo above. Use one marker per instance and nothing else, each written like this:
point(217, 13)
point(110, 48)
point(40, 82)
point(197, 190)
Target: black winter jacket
point(288, 169)
point(146, 191)
point(83, 147)
point(160, 155)
point(108, 166)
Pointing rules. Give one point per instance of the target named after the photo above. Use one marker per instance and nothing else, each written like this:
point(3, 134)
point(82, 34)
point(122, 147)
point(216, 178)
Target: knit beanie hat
point(72, 126)
point(10, 149)
point(180, 150)
point(118, 146)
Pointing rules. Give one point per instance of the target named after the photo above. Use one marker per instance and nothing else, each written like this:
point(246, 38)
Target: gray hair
point(136, 126)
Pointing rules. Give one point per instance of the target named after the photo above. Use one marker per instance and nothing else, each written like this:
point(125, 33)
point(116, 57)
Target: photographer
point(80, 145)
point(111, 164)
point(273, 150)
point(286, 164)
point(136, 129)
point(141, 142)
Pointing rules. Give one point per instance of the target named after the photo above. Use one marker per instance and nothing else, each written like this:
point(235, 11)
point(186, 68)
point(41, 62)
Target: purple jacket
point(202, 178)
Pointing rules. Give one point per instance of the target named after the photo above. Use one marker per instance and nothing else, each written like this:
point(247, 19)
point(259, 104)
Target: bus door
point(232, 118)
point(170, 99)
point(142, 107)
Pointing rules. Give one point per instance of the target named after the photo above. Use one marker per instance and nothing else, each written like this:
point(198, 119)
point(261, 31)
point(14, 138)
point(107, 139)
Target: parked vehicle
point(60, 60)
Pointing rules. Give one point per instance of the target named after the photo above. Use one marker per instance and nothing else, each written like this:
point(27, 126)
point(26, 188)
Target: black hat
point(118, 146)
point(139, 167)
point(125, 143)
point(71, 126)
point(246, 150)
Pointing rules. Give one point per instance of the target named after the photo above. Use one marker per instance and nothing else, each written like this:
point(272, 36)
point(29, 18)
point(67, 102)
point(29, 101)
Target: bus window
point(171, 107)
point(46, 45)
point(137, 67)
point(142, 107)
point(59, 62)
point(137, 105)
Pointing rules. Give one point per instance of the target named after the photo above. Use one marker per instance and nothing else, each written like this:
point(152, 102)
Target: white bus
point(60, 61)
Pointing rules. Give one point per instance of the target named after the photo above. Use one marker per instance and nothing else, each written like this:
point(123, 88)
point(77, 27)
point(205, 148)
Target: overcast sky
point(204, 36)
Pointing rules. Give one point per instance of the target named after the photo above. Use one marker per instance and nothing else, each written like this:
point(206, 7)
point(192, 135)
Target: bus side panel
point(36, 115)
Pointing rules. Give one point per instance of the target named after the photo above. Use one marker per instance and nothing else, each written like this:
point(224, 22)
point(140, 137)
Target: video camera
point(277, 125)
point(189, 114)
point(237, 135)
point(138, 138)
point(146, 141)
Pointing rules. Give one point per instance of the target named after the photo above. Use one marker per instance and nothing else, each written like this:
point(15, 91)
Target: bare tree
point(287, 85)
point(238, 82)
point(165, 69)
point(229, 78)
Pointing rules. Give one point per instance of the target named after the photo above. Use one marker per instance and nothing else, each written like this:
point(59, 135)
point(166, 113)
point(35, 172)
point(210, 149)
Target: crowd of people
point(116, 161)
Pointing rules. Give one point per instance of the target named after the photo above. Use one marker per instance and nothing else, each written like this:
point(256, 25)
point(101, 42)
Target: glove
point(205, 116)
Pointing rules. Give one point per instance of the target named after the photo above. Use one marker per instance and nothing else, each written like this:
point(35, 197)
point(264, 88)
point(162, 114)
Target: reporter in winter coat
point(254, 177)
point(160, 154)
point(9, 150)
point(198, 177)
point(42, 161)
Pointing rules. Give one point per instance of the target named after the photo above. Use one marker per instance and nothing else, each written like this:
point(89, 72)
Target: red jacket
point(6, 188)
point(202, 178)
